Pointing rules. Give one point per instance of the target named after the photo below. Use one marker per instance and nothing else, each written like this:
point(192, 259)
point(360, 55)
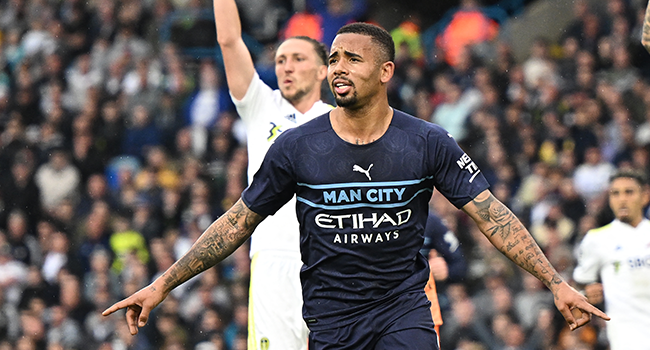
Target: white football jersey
point(618, 255)
point(266, 114)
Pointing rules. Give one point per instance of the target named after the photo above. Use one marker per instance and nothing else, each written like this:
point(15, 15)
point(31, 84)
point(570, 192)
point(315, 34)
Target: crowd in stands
point(117, 150)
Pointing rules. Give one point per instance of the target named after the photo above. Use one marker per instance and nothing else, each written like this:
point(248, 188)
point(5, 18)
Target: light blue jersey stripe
point(362, 205)
point(365, 184)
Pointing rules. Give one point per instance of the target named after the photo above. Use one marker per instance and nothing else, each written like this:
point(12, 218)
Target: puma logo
point(363, 171)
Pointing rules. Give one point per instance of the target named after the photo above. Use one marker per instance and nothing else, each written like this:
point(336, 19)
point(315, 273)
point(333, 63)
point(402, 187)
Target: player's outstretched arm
point(645, 36)
point(236, 57)
point(216, 243)
point(508, 235)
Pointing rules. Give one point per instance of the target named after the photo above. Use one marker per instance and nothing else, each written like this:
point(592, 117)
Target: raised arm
point(217, 242)
point(510, 237)
point(645, 36)
point(236, 57)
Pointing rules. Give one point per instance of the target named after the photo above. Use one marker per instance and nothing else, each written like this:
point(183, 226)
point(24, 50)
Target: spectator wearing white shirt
point(591, 178)
point(57, 179)
point(81, 77)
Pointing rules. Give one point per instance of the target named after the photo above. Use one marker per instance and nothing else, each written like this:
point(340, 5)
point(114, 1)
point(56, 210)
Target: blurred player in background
point(275, 300)
point(614, 262)
point(446, 262)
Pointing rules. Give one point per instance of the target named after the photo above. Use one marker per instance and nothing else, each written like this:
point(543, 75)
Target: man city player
point(363, 175)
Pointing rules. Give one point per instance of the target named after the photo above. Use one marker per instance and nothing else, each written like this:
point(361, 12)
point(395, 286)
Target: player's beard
point(349, 100)
point(625, 218)
point(296, 96)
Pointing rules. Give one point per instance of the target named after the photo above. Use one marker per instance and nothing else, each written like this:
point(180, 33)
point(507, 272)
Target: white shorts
point(275, 303)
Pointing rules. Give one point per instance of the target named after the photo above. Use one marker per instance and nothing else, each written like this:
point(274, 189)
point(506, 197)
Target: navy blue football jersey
point(362, 209)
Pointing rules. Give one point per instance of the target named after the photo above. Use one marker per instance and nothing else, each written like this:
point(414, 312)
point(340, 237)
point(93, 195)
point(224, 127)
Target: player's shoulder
point(602, 232)
point(412, 124)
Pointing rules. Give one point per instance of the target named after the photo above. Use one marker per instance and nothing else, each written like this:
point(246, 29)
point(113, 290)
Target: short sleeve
point(274, 183)
point(251, 108)
point(456, 175)
point(589, 265)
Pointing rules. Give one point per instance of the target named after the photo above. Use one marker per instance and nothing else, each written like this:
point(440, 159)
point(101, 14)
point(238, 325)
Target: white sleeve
point(589, 262)
point(251, 107)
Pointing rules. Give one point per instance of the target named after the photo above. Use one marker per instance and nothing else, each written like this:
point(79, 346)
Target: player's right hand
point(138, 306)
point(567, 300)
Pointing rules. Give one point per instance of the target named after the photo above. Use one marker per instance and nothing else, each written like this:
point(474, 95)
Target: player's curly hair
point(319, 48)
point(378, 34)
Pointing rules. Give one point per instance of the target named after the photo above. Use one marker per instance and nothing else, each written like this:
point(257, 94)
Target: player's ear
point(387, 71)
point(322, 72)
point(646, 194)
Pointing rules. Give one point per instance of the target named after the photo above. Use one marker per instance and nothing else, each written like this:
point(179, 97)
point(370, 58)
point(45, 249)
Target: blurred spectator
point(592, 178)
point(94, 233)
point(100, 278)
point(56, 257)
point(408, 33)
point(80, 78)
point(336, 14)
point(111, 131)
point(24, 246)
point(238, 325)
point(539, 67)
point(142, 86)
point(303, 24)
point(463, 326)
point(57, 179)
point(63, 331)
point(204, 107)
point(466, 26)
point(453, 112)
point(142, 132)
point(125, 241)
point(13, 274)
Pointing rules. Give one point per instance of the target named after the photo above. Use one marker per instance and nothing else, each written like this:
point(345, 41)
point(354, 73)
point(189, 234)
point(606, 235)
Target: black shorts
point(406, 325)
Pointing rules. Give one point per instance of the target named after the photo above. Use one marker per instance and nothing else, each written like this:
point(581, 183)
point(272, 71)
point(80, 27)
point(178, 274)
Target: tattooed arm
point(217, 242)
point(510, 237)
point(645, 36)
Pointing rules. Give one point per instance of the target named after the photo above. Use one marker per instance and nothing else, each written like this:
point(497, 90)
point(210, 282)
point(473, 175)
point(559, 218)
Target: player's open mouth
point(341, 87)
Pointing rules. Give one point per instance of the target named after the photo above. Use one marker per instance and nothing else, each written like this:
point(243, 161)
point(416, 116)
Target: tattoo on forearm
point(509, 235)
point(217, 242)
point(512, 245)
point(497, 215)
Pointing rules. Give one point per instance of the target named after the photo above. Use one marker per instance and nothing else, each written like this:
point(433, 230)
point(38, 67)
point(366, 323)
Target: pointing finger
point(594, 310)
point(119, 305)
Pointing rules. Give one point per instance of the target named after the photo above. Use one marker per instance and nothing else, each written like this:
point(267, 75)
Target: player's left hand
point(574, 306)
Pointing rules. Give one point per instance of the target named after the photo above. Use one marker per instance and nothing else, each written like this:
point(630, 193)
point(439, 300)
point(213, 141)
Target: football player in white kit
point(614, 262)
point(275, 300)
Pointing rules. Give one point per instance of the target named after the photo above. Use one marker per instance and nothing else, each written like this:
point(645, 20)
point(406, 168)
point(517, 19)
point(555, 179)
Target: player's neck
point(307, 102)
point(364, 125)
point(634, 222)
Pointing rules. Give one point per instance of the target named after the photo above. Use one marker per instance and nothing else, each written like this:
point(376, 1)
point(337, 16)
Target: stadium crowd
point(117, 149)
